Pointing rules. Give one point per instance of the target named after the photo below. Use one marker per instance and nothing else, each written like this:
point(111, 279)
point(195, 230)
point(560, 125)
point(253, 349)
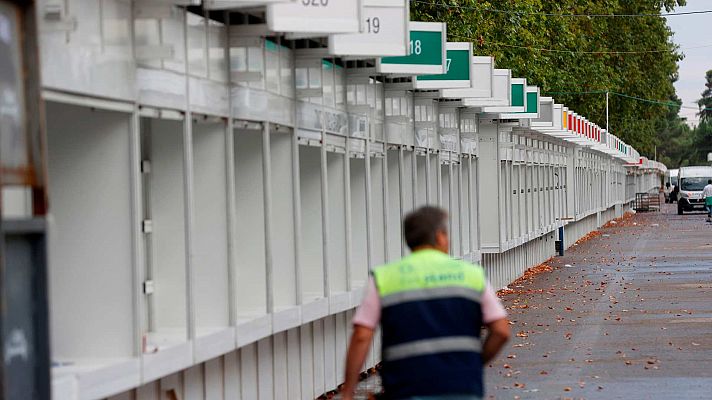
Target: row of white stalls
point(223, 176)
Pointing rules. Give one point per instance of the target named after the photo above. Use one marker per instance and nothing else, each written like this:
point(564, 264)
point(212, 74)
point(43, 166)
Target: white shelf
point(286, 318)
point(214, 342)
point(173, 354)
point(252, 329)
point(94, 378)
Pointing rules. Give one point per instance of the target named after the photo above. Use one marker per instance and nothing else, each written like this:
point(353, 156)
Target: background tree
point(705, 102)
point(520, 35)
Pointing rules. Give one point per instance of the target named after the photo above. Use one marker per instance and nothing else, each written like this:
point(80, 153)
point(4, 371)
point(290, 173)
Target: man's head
point(709, 181)
point(426, 227)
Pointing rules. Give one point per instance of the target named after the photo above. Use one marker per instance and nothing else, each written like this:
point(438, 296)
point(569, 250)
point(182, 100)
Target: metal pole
point(606, 111)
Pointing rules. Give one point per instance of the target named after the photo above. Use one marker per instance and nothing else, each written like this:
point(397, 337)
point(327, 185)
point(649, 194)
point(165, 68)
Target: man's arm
point(358, 348)
point(498, 334)
point(494, 318)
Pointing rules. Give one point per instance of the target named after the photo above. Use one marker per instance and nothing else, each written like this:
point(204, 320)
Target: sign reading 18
point(416, 47)
point(315, 3)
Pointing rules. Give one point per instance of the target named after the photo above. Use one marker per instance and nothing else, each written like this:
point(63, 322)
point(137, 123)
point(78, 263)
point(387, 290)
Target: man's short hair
point(421, 225)
point(709, 181)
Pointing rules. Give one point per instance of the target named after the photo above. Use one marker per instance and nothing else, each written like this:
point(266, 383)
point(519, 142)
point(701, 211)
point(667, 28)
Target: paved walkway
point(624, 315)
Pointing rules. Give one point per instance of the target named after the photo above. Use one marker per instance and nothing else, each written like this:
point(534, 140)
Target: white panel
point(337, 223)
point(168, 215)
point(16, 202)
point(265, 371)
point(149, 391)
point(408, 188)
point(173, 384)
point(122, 396)
point(294, 376)
point(234, 4)
point(378, 240)
point(465, 210)
point(217, 44)
point(421, 186)
point(341, 345)
point(214, 379)
point(210, 248)
point(307, 362)
point(280, 386)
point(197, 45)
point(384, 31)
point(359, 245)
point(173, 35)
point(97, 57)
point(88, 154)
point(283, 216)
point(394, 207)
point(249, 372)
point(319, 360)
point(232, 376)
point(208, 97)
point(329, 353)
point(250, 243)
point(315, 16)
point(311, 252)
point(159, 88)
point(194, 382)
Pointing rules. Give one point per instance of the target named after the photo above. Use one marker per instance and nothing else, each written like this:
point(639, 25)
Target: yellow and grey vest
point(430, 320)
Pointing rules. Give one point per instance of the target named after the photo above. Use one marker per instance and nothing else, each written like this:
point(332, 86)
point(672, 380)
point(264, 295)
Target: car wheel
point(679, 209)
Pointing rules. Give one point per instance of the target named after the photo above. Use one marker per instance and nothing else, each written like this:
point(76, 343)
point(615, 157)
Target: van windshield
point(673, 180)
point(694, 184)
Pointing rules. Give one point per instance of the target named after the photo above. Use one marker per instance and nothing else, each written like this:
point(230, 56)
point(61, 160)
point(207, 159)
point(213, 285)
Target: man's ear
point(442, 239)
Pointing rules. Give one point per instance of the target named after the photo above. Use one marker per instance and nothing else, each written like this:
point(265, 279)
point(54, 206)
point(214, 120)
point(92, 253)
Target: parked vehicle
point(692, 181)
point(671, 186)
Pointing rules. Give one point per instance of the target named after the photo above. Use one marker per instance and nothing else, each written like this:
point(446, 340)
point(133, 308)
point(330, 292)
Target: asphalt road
point(626, 314)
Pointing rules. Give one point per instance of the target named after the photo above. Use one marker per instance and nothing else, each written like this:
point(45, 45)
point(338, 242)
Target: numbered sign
point(482, 81)
point(518, 90)
point(458, 70)
point(532, 101)
point(426, 52)
point(315, 16)
point(234, 4)
point(384, 31)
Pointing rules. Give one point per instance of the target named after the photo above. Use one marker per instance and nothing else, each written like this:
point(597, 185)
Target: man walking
point(707, 195)
point(431, 309)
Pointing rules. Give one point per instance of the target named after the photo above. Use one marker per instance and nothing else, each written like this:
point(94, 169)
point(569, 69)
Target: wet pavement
point(626, 314)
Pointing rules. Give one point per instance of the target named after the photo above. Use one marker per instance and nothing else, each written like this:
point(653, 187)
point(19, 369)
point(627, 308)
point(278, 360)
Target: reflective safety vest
point(430, 321)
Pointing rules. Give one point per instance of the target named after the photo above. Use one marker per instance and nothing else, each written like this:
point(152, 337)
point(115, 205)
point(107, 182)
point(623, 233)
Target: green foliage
point(678, 144)
point(705, 102)
point(514, 39)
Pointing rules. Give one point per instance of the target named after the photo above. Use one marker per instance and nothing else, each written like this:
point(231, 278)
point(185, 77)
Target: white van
point(692, 181)
point(670, 183)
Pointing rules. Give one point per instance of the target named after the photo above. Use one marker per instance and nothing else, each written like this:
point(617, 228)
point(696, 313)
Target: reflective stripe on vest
point(429, 294)
point(432, 346)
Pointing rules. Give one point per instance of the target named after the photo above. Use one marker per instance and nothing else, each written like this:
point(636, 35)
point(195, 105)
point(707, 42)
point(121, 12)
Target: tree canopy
point(551, 52)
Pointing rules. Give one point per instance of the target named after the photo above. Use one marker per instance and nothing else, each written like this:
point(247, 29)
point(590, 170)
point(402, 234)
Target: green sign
point(532, 102)
point(425, 49)
point(517, 95)
point(427, 52)
point(458, 70)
